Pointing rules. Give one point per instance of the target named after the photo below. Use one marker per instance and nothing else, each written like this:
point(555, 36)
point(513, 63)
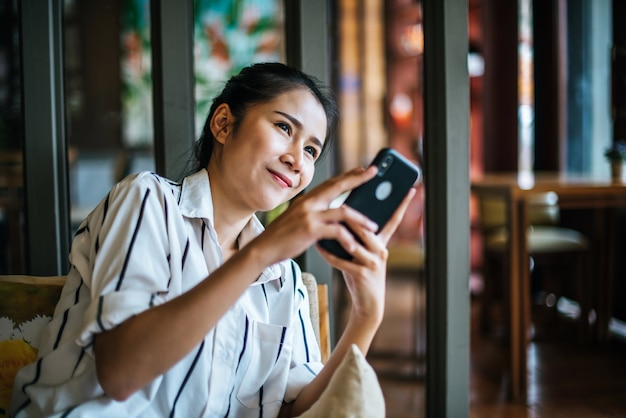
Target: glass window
point(229, 35)
point(108, 84)
point(108, 80)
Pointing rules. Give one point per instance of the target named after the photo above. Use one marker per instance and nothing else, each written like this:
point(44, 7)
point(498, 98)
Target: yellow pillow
point(353, 391)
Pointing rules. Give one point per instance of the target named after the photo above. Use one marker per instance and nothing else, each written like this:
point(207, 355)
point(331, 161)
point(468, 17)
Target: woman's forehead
point(300, 104)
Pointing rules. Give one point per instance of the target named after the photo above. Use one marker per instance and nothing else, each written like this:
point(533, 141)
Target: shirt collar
point(196, 201)
point(195, 197)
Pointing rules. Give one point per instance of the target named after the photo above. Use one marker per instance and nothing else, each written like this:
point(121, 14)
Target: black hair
point(261, 83)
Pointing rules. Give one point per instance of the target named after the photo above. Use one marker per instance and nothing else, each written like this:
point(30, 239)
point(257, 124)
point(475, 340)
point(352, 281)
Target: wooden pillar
point(446, 168)
point(549, 89)
point(500, 85)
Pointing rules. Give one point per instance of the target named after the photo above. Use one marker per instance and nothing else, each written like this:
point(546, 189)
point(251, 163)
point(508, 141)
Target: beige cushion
point(353, 391)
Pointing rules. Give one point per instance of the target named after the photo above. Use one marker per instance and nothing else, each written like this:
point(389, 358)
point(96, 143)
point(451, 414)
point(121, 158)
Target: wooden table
point(573, 193)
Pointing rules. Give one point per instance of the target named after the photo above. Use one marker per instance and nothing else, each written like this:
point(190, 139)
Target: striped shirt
point(147, 242)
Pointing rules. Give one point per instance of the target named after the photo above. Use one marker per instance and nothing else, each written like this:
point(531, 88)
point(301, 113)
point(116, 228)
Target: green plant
point(617, 152)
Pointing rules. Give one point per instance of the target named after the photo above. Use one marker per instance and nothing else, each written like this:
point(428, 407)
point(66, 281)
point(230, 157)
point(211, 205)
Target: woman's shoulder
point(140, 187)
point(146, 179)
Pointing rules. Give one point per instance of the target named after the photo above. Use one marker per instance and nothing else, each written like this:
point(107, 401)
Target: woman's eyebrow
point(291, 119)
point(298, 125)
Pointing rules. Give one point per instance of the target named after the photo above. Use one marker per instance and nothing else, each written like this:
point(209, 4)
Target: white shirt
point(147, 242)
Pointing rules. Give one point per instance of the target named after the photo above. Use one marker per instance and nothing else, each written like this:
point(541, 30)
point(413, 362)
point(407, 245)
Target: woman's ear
point(221, 123)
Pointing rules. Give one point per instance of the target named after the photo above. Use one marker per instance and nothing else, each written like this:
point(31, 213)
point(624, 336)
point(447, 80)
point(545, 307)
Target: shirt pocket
point(265, 378)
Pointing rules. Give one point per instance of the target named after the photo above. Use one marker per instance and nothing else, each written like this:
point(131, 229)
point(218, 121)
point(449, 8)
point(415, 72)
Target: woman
point(178, 303)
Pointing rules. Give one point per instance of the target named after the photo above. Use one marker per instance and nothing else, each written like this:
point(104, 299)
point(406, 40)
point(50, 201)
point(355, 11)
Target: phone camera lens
point(384, 165)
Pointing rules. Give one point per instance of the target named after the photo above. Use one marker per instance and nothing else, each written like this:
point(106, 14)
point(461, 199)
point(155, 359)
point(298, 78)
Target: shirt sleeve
point(306, 360)
point(127, 270)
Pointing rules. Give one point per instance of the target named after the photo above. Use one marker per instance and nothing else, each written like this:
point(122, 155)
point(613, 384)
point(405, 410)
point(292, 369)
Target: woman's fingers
point(335, 186)
point(310, 219)
point(368, 244)
point(359, 235)
point(351, 217)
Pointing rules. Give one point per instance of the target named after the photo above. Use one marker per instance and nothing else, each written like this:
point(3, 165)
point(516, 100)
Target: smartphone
point(379, 197)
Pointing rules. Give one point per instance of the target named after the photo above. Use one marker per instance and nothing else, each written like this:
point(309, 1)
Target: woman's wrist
point(262, 252)
point(365, 325)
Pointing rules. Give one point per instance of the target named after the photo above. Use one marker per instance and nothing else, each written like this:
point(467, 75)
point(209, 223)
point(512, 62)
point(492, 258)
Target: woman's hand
point(309, 219)
point(365, 274)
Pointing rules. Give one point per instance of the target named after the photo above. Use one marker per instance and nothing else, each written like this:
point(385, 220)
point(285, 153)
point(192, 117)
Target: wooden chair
point(25, 297)
point(548, 244)
point(26, 305)
point(318, 303)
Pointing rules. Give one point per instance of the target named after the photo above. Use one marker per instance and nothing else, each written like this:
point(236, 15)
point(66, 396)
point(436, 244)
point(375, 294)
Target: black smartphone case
point(379, 197)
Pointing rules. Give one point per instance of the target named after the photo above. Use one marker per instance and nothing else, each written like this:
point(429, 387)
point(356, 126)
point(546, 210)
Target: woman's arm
point(365, 277)
point(148, 344)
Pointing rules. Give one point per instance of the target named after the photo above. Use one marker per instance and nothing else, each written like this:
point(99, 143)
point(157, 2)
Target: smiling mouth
point(281, 180)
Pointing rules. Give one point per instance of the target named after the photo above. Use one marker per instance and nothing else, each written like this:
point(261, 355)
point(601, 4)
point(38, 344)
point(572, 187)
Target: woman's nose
point(294, 159)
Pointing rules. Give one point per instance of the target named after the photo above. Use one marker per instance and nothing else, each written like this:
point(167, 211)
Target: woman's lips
point(284, 181)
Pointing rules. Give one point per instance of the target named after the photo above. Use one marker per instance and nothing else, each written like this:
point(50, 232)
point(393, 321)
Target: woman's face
point(271, 155)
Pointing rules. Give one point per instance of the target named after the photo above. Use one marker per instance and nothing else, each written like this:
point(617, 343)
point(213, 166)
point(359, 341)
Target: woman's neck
point(228, 218)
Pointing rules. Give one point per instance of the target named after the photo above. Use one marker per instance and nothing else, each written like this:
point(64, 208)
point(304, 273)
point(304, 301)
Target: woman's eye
point(312, 151)
point(285, 127)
